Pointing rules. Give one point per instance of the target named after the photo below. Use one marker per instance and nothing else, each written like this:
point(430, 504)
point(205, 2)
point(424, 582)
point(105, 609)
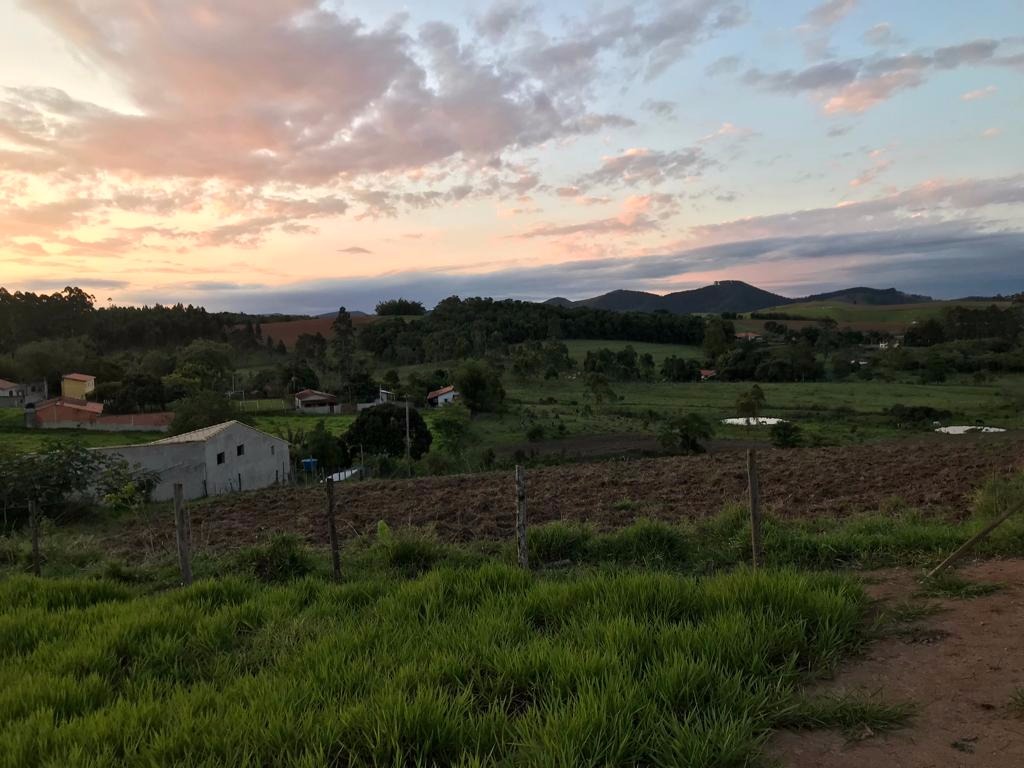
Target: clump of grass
point(283, 558)
point(950, 585)
point(856, 716)
point(487, 665)
point(1016, 704)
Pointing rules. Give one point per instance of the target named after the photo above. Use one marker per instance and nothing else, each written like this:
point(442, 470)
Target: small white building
point(443, 396)
point(17, 395)
point(315, 401)
point(208, 462)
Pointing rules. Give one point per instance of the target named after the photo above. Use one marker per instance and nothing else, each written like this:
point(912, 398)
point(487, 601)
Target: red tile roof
point(438, 392)
point(70, 402)
point(5, 384)
point(79, 377)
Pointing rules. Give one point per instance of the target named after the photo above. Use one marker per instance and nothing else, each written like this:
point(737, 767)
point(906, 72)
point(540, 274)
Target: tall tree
point(343, 343)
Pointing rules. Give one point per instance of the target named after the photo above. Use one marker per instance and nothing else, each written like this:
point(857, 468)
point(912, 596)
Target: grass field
point(894, 318)
point(578, 349)
point(473, 666)
point(834, 412)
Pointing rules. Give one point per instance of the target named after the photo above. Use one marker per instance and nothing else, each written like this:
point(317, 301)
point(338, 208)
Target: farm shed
point(208, 462)
point(77, 385)
point(315, 401)
point(71, 413)
point(443, 396)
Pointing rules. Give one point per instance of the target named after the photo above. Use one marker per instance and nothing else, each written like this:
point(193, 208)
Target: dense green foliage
point(479, 386)
point(203, 409)
point(474, 666)
point(400, 307)
point(461, 328)
point(381, 430)
point(687, 433)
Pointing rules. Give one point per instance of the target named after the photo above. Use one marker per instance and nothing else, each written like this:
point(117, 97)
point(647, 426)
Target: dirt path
point(960, 667)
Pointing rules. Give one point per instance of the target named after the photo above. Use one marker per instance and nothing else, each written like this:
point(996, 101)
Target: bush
point(381, 430)
point(535, 433)
point(786, 434)
point(283, 559)
point(686, 433)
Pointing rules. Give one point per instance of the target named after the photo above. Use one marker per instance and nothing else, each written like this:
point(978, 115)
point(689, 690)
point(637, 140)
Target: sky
point(295, 155)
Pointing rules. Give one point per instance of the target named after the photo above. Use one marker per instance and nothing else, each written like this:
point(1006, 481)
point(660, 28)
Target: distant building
point(749, 336)
point(77, 385)
point(707, 373)
point(383, 396)
point(72, 413)
point(11, 394)
point(314, 401)
point(17, 395)
point(443, 396)
point(208, 462)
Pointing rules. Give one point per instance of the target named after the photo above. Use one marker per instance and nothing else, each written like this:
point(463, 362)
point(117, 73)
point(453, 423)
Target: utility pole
point(408, 441)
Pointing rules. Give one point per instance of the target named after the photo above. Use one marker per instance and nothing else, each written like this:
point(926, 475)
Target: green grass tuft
point(950, 585)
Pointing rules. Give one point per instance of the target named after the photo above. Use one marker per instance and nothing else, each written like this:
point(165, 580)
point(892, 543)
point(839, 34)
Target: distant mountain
point(731, 296)
point(334, 314)
point(870, 296)
point(723, 296)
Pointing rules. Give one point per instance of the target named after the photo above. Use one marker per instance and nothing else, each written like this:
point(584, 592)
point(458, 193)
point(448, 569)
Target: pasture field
point(894, 318)
point(828, 412)
point(578, 349)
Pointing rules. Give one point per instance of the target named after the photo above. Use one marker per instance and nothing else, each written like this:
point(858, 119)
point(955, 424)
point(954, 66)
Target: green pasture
point(885, 314)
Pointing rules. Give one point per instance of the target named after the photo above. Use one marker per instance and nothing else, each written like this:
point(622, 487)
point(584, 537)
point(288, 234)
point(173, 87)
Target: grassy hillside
point(894, 318)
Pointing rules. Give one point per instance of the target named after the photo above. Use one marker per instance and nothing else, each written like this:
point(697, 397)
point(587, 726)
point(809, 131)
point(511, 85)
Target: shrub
point(786, 434)
point(686, 434)
point(535, 433)
point(284, 558)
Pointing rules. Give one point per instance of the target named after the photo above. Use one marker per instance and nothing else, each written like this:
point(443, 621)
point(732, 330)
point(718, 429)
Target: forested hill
point(456, 328)
point(723, 296)
point(731, 296)
point(26, 317)
point(869, 296)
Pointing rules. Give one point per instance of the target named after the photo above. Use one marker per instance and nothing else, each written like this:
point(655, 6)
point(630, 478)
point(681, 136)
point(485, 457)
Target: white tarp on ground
point(345, 474)
point(962, 430)
point(756, 421)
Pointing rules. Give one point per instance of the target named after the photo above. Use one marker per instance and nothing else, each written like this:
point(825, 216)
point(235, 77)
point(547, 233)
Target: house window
point(220, 457)
point(240, 450)
point(271, 450)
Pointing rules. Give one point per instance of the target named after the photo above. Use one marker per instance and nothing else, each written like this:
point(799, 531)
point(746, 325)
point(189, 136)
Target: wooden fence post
point(183, 533)
point(33, 522)
point(754, 490)
point(521, 549)
point(332, 531)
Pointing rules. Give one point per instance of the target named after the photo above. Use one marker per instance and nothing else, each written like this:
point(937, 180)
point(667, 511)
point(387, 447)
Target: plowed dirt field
point(937, 474)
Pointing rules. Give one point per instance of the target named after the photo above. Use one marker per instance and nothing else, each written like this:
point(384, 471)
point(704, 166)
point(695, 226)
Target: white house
point(16, 395)
point(315, 401)
point(220, 459)
point(442, 396)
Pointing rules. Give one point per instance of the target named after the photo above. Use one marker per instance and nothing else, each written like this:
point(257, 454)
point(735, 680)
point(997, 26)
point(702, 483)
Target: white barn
point(207, 462)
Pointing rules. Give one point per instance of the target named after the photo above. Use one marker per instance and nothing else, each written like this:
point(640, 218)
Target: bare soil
point(936, 474)
point(959, 667)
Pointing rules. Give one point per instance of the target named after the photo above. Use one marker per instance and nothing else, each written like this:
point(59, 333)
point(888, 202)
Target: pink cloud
point(980, 93)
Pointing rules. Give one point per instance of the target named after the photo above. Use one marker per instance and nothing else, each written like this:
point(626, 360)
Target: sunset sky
point(290, 155)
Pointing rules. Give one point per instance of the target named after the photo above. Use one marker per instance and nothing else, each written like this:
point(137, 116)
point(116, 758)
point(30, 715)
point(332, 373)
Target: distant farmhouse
point(443, 396)
point(314, 401)
point(17, 395)
point(77, 385)
point(72, 413)
point(208, 462)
